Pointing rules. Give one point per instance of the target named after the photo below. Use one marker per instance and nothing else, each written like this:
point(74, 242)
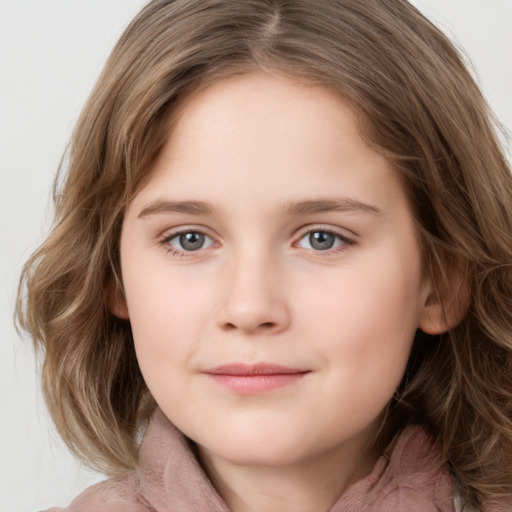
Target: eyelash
point(344, 242)
point(166, 242)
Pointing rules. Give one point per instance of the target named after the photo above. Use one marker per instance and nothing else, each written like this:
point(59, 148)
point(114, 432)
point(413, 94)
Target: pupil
point(191, 241)
point(321, 240)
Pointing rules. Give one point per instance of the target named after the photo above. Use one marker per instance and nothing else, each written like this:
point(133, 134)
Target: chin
point(257, 450)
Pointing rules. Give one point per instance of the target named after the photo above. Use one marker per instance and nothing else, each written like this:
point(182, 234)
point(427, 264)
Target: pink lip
point(252, 379)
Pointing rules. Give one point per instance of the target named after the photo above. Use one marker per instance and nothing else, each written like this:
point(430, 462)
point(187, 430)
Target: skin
point(250, 149)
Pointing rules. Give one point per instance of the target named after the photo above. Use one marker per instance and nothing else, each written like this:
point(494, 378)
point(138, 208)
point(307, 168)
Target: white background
point(51, 52)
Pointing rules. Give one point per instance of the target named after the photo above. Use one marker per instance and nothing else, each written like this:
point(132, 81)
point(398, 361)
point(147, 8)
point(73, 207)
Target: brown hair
point(418, 105)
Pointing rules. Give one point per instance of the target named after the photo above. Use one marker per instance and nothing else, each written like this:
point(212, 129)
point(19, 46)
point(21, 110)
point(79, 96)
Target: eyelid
point(344, 233)
point(170, 233)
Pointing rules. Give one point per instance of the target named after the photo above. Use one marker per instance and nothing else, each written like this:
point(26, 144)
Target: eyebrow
point(289, 208)
point(329, 205)
point(187, 207)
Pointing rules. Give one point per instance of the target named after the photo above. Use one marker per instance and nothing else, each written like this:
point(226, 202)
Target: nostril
point(229, 326)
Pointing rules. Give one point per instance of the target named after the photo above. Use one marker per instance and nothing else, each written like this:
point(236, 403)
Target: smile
point(254, 379)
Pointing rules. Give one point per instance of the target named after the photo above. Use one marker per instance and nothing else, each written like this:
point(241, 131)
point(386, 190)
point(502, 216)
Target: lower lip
point(256, 384)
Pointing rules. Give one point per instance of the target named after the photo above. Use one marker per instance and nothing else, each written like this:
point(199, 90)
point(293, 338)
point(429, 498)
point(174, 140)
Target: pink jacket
point(169, 479)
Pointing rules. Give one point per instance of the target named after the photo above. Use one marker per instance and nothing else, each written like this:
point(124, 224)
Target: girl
point(280, 273)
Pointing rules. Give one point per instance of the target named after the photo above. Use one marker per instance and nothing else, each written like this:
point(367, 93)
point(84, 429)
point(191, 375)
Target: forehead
point(285, 106)
point(259, 137)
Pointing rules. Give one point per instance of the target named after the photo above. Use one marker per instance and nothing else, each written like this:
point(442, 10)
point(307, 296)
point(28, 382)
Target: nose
point(255, 297)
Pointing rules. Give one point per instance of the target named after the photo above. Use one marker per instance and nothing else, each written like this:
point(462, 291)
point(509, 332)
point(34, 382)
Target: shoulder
point(114, 495)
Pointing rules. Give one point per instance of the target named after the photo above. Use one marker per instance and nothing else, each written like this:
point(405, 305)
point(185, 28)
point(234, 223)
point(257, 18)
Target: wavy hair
point(417, 104)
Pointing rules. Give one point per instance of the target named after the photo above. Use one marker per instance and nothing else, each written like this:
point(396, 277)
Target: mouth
point(253, 379)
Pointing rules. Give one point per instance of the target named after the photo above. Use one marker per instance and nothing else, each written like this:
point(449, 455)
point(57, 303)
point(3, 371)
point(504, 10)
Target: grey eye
point(320, 240)
point(191, 241)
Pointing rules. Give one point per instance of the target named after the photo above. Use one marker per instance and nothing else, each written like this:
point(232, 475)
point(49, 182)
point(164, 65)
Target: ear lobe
point(117, 302)
point(446, 304)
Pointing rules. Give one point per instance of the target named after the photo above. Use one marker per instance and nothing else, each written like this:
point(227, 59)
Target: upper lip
point(241, 369)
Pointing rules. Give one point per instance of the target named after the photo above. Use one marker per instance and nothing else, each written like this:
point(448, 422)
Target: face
point(272, 274)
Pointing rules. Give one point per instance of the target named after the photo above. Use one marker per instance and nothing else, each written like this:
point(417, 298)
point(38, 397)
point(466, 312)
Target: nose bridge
point(254, 298)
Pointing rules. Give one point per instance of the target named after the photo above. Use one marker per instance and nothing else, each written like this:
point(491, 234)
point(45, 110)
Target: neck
point(311, 485)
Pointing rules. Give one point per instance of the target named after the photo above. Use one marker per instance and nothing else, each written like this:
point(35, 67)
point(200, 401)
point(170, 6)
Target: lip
point(253, 379)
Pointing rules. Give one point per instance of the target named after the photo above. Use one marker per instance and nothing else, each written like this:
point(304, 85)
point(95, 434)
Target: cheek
point(165, 340)
point(369, 343)
point(369, 313)
point(165, 319)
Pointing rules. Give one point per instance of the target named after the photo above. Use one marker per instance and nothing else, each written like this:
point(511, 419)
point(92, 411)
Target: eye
point(322, 240)
point(189, 241)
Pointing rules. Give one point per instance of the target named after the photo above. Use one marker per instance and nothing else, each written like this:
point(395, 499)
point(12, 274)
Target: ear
point(117, 301)
point(447, 301)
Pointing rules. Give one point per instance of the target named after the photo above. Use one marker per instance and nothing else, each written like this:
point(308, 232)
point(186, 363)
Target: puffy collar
point(408, 477)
